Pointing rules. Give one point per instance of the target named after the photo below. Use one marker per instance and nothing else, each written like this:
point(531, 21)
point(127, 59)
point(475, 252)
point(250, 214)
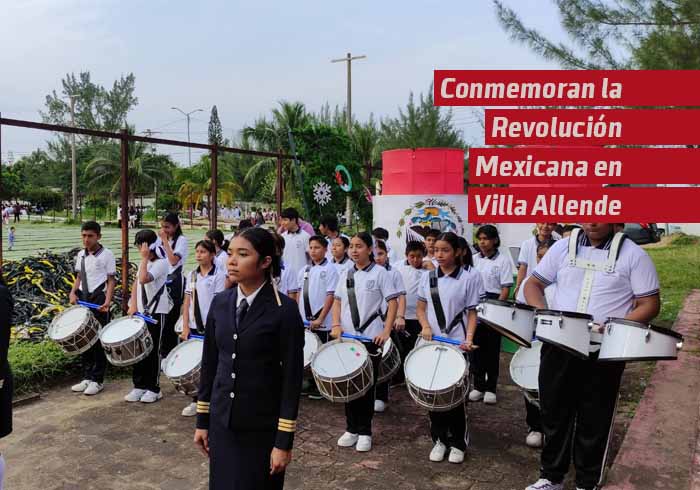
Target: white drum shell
point(525, 366)
point(443, 398)
point(129, 350)
point(515, 323)
point(311, 344)
point(75, 329)
point(343, 385)
point(624, 342)
point(390, 363)
point(570, 333)
point(186, 380)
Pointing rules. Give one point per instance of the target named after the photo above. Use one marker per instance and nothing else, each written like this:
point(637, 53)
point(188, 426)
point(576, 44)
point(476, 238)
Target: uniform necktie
point(241, 311)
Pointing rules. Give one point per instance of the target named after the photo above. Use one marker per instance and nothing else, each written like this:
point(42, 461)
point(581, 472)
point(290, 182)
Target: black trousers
point(359, 413)
point(533, 417)
point(485, 361)
point(241, 460)
point(146, 372)
point(450, 427)
point(176, 292)
point(405, 341)
point(6, 391)
point(94, 360)
point(577, 398)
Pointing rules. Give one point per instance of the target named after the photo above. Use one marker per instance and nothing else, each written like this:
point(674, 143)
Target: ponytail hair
point(367, 238)
point(217, 236)
point(467, 259)
point(206, 245)
point(264, 244)
point(174, 220)
point(453, 240)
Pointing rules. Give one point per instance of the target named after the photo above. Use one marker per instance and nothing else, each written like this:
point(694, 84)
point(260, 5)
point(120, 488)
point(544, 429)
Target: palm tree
point(197, 185)
point(145, 169)
point(365, 140)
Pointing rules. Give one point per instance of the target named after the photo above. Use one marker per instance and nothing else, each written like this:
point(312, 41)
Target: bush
point(43, 196)
point(36, 363)
point(683, 239)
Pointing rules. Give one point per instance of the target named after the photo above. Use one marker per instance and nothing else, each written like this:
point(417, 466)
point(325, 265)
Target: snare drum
point(627, 340)
point(126, 340)
point(75, 329)
point(510, 319)
point(183, 364)
point(342, 370)
point(525, 371)
point(390, 363)
point(436, 376)
point(311, 344)
point(567, 330)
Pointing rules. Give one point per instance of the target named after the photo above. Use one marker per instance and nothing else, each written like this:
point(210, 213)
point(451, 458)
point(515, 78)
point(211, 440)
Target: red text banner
point(584, 165)
point(566, 87)
point(605, 205)
point(582, 127)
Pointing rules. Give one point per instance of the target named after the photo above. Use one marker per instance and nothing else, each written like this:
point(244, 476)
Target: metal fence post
point(1, 193)
point(213, 200)
point(280, 184)
point(124, 195)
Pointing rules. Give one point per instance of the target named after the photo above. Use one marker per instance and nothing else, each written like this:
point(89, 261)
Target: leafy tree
point(11, 185)
point(366, 140)
point(216, 135)
point(196, 185)
point(47, 198)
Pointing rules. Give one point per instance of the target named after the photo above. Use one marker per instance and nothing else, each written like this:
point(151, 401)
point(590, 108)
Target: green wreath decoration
point(342, 177)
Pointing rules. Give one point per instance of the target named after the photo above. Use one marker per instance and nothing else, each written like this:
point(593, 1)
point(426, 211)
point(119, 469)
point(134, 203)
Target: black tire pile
point(40, 286)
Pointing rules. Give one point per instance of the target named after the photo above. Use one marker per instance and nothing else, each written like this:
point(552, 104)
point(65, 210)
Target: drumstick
point(361, 338)
point(441, 350)
point(277, 295)
point(89, 305)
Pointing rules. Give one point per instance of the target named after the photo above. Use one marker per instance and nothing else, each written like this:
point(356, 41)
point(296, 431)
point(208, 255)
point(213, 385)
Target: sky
point(244, 57)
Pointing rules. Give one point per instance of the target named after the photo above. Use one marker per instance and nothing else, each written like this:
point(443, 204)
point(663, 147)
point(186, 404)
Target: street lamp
point(187, 115)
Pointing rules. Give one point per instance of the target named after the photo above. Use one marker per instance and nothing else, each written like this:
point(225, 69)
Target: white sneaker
point(476, 395)
point(80, 387)
point(544, 484)
point(135, 395)
point(364, 444)
point(456, 456)
point(348, 440)
point(438, 452)
point(190, 410)
point(379, 406)
point(151, 397)
point(534, 439)
point(490, 398)
point(93, 388)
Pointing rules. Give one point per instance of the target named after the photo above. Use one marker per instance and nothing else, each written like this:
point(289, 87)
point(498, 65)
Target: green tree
point(366, 141)
point(195, 185)
point(216, 135)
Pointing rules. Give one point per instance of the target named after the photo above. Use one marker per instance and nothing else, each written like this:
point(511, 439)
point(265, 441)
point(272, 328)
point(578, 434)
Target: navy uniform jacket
point(6, 311)
point(252, 373)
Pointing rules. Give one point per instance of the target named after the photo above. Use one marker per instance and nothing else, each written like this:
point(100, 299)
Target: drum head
point(184, 358)
point(525, 366)
point(121, 329)
point(435, 367)
point(68, 322)
point(386, 348)
point(310, 346)
point(338, 359)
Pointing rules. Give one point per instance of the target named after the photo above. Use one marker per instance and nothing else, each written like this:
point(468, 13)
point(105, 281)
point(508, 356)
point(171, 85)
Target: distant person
point(11, 238)
point(296, 242)
point(17, 212)
point(259, 219)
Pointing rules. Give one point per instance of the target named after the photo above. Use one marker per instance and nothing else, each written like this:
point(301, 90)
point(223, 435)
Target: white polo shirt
point(329, 254)
point(496, 271)
point(613, 294)
point(179, 249)
point(221, 261)
point(344, 265)
point(528, 253)
point(295, 247)
point(459, 292)
point(396, 284)
point(158, 270)
point(287, 282)
point(206, 287)
point(411, 278)
point(98, 266)
point(323, 279)
point(548, 293)
point(372, 286)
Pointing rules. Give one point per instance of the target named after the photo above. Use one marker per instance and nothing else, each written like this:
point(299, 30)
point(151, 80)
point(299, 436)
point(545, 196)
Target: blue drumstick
point(89, 305)
point(361, 338)
point(200, 337)
point(446, 340)
point(146, 318)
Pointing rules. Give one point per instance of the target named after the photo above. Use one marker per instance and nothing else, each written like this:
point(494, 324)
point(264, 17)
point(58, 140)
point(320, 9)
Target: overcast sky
point(243, 57)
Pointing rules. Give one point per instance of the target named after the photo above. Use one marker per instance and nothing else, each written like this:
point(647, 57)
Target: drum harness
point(437, 306)
point(197, 312)
point(154, 300)
point(84, 288)
point(310, 316)
point(590, 268)
point(354, 311)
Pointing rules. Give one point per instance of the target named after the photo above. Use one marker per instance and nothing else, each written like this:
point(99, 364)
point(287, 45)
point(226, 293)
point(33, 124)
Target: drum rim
point(133, 337)
point(566, 314)
point(637, 358)
point(515, 355)
point(509, 304)
point(568, 349)
point(52, 326)
point(172, 352)
point(347, 376)
point(447, 346)
point(655, 328)
point(508, 333)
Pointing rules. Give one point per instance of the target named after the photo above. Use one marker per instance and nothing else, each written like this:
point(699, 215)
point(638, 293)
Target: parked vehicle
point(641, 233)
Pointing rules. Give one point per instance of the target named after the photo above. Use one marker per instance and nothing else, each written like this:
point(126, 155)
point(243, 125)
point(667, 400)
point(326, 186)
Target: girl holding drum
point(206, 280)
point(448, 294)
point(251, 374)
point(497, 274)
point(356, 310)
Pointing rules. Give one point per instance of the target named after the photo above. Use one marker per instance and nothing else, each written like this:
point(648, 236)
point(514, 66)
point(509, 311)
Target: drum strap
point(310, 316)
point(197, 311)
point(154, 300)
point(352, 301)
point(83, 274)
point(437, 306)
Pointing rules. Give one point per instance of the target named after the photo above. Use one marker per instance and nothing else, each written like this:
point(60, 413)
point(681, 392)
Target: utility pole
point(187, 115)
point(149, 133)
point(349, 59)
point(74, 166)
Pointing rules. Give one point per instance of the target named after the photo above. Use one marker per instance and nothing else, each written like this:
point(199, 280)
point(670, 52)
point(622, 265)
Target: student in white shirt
point(95, 281)
point(383, 235)
point(431, 235)
point(527, 258)
point(315, 289)
point(328, 226)
point(286, 281)
point(497, 276)
point(381, 257)
point(459, 289)
point(221, 244)
point(202, 283)
point(339, 251)
point(172, 246)
point(296, 242)
point(372, 286)
point(149, 296)
point(578, 396)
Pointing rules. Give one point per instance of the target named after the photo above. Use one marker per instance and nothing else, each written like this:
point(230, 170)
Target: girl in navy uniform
point(172, 246)
point(339, 250)
point(497, 275)
point(372, 285)
point(459, 289)
point(381, 256)
point(202, 283)
point(6, 310)
point(221, 244)
point(251, 375)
